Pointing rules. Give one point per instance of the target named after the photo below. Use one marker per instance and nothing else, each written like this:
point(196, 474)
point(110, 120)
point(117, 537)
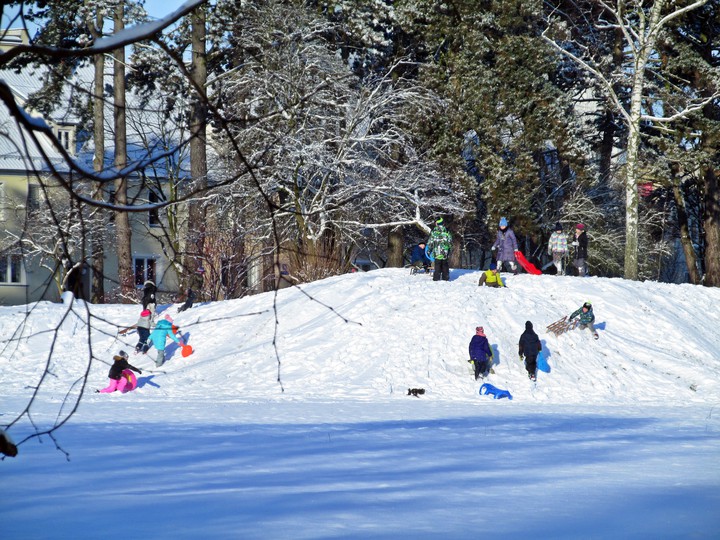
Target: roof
point(149, 132)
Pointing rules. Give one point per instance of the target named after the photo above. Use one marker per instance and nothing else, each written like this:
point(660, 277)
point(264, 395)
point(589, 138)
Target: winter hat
point(580, 227)
point(148, 282)
point(145, 313)
point(587, 304)
point(503, 222)
point(439, 221)
point(122, 355)
point(493, 266)
point(558, 226)
point(528, 325)
point(480, 331)
point(168, 318)
point(200, 270)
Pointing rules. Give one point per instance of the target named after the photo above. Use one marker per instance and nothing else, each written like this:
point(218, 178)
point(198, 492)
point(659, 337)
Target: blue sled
point(542, 364)
point(489, 389)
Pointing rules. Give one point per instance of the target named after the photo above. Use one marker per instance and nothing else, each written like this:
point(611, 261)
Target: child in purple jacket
point(481, 354)
point(506, 246)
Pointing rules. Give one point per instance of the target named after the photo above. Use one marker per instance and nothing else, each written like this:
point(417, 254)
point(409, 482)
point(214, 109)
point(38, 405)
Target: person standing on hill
point(558, 247)
point(148, 300)
point(506, 246)
point(490, 277)
point(529, 347)
point(581, 247)
point(143, 330)
point(481, 355)
point(163, 330)
point(439, 244)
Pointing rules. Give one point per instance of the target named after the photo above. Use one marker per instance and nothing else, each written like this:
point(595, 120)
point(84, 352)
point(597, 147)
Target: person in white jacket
point(558, 247)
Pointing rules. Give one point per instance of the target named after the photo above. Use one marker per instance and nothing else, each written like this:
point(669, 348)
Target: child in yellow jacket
point(491, 277)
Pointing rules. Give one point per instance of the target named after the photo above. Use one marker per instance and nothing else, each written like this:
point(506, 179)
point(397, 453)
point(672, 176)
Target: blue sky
point(160, 8)
point(155, 8)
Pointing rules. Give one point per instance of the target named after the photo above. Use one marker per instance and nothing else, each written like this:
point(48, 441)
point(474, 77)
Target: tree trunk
point(645, 48)
point(632, 204)
point(456, 252)
point(607, 126)
point(195, 252)
point(122, 219)
point(97, 241)
point(711, 225)
point(632, 165)
point(685, 240)
point(605, 148)
point(395, 248)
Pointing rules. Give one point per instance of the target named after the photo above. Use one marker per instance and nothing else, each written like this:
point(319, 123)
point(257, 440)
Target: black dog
point(417, 392)
point(7, 446)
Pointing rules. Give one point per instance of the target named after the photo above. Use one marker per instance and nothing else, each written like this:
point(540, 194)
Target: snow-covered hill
point(371, 336)
point(292, 419)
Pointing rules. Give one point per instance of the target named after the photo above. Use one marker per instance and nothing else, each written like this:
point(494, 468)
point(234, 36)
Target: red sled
point(529, 267)
point(131, 379)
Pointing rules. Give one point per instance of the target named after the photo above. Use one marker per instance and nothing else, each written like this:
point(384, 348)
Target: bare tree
point(306, 163)
point(66, 216)
point(122, 219)
point(197, 220)
point(641, 25)
point(97, 238)
point(335, 160)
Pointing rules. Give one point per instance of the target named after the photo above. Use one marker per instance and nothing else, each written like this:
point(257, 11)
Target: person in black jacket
point(581, 247)
point(117, 381)
point(148, 300)
point(529, 347)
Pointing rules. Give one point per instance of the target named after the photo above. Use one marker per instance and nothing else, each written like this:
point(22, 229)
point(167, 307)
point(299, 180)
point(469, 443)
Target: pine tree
point(504, 102)
point(688, 154)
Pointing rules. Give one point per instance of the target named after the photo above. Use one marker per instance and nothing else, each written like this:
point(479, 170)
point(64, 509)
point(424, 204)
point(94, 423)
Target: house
point(46, 244)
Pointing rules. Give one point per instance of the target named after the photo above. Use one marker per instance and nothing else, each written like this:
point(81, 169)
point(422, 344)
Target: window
point(65, 138)
point(11, 269)
point(144, 269)
point(154, 214)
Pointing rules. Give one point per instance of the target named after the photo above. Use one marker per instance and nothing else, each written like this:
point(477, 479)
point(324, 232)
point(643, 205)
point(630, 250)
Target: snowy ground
point(317, 437)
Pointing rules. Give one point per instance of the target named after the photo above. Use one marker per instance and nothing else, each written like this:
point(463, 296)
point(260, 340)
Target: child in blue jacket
point(159, 336)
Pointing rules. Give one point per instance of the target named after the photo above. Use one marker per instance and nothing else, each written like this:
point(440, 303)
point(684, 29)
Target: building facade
point(46, 239)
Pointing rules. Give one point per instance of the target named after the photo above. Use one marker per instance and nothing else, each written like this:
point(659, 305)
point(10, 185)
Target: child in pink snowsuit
point(117, 380)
